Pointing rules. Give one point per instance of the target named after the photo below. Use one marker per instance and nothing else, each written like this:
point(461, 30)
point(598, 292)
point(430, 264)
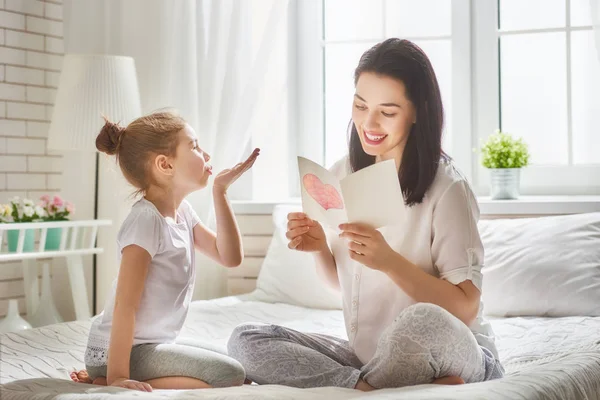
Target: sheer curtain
point(207, 59)
point(595, 8)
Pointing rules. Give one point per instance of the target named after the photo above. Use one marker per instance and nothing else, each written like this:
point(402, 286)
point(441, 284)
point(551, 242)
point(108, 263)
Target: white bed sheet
point(544, 358)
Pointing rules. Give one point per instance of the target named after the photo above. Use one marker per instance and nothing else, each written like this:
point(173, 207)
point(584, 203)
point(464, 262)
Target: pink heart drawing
point(326, 195)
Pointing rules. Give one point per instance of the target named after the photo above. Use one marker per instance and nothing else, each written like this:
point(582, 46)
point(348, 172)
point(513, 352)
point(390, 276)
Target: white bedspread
point(544, 358)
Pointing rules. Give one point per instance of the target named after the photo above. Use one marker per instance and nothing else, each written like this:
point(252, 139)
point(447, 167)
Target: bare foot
point(449, 380)
point(83, 377)
point(363, 386)
point(100, 381)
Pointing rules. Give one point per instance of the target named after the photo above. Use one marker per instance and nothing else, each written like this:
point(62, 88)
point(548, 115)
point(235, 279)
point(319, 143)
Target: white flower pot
point(13, 321)
point(504, 183)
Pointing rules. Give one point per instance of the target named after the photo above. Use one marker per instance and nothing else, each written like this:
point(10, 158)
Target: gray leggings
point(424, 343)
point(151, 361)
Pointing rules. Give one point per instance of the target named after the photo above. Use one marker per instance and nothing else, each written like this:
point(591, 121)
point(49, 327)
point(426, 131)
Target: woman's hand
point(226, 177)
point(368, 246)
point(305, 234)
point(131, 384)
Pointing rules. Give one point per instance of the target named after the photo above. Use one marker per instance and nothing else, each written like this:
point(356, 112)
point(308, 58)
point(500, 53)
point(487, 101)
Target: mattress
point(545, 358)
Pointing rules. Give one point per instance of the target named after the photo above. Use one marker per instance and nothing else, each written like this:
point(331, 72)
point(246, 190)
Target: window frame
point(475, 98)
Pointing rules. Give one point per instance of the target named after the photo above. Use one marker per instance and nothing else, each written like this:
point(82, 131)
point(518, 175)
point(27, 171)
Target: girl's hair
point(406, 62)
point(136, 145)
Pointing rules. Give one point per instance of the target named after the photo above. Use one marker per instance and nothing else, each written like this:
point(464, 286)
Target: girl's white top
point(169, 285)
point(439, 235)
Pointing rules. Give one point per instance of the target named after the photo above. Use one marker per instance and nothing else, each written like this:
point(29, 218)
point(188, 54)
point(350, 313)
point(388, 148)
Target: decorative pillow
point(547, 266)
point(290, 276)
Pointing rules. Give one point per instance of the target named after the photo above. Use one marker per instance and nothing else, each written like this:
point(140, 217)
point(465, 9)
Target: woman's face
point(383, 116)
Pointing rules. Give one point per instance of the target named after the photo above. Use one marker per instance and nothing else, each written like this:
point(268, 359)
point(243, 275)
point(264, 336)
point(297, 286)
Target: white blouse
point(439, 235)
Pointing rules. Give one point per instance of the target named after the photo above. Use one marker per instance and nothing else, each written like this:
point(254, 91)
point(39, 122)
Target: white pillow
point(290, 276)
point(548, 266)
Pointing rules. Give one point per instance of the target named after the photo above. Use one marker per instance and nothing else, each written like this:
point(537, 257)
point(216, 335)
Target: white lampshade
point(91, 86)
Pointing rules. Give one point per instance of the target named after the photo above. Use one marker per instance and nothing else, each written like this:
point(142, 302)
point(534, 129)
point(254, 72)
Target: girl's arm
point(130, 286)
point(225, 247)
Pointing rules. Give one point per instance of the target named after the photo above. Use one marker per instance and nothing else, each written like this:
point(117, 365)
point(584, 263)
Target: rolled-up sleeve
point(456, 246)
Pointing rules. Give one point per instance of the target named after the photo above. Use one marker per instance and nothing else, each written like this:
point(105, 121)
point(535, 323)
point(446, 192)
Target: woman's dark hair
point(406, 62)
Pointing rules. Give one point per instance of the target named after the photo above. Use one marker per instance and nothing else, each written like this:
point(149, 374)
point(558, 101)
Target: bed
point(545, 358)
point(548, 336)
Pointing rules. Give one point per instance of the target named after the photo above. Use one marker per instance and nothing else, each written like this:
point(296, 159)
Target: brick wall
point(31, 48)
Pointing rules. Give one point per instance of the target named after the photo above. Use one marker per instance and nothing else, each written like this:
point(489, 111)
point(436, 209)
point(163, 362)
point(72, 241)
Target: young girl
point(411, 292)
point(132, 343)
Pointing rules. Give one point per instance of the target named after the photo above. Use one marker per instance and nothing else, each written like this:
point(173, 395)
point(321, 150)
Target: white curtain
point(595, 9)
point(207, 58)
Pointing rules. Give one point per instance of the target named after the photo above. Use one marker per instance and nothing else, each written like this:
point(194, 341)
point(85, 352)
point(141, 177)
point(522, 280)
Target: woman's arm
point(326, 267)
point(369, 247)
point(130, 286)
point(460, 300)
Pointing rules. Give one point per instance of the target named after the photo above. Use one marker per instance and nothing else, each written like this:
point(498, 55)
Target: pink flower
point(44, 201)
point(69, 207)
point(57, 201)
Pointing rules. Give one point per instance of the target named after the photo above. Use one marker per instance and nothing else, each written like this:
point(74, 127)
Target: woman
point(411, 293)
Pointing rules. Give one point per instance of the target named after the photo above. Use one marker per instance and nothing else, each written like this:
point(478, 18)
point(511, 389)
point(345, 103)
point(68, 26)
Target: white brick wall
point(44, 26)
point(25, 111)
point(26, 181)
point(54, 11)
point(52, 79)
point(37, 129)
point(29, 76)
point(24, 40)
point(12, 92)
point(30, 7)
point(44, 164)
point(44, 60)
point(13, 164)
point(10, 127)
point(31, 51)
point(12, 20)
point(54, 45)
point(12, 56)
point(25, 146)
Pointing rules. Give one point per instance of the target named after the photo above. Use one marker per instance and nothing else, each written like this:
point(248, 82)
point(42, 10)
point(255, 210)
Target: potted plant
point(504, 155)
point(55, 209)
point(20, 211)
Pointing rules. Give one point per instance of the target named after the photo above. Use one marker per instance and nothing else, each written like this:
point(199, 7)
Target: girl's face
point(191, 169)
point(383, 116)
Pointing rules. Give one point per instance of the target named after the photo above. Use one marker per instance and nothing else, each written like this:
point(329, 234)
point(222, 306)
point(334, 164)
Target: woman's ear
point(163, 165)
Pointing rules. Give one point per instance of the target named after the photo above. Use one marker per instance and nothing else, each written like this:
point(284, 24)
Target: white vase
point(504, 183)
point(46, 313)
point(13, 321)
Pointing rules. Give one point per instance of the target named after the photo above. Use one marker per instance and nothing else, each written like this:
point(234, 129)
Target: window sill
point(525, 205)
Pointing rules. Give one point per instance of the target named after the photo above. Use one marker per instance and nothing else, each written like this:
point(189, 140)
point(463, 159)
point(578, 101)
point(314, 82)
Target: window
point(500, 64)
point(548, 88)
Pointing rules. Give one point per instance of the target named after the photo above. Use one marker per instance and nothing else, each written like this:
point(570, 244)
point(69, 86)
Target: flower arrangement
point(21, 210)
point(24, 210)
point(56, 209)
point(501, 151)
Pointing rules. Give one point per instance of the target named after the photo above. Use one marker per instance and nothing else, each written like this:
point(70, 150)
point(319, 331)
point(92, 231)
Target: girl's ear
point(164, 165)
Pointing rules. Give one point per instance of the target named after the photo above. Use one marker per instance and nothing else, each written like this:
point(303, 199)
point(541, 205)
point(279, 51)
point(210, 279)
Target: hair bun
point(109, 138)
